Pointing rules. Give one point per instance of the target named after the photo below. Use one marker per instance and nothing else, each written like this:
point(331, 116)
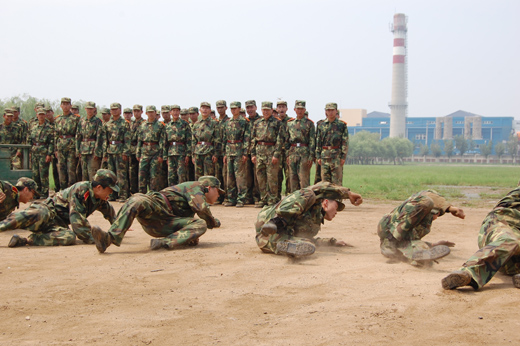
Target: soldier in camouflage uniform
point(300, 146)
point(332, 146)
point(11, 196)
point(177, 148)
point(105, 118)
point(267, 139)
point(317, 175)
point(401, 231)
point(220, 165)
point(167, 215)
point(281, 109)
point(193, 115)
point(499, 243)
point(10, 134)
point(65, 129)
point(235, 141)
point(253, 192)
point(116, 148)
point(133, 164)
point(185, 115)
point(127, 114)
point(22, 134)
point(49, 113)
point(89, 142)
point(290, 226)
point(49, 220)
point(41, 139)
point(204, 143)
point(166, 115)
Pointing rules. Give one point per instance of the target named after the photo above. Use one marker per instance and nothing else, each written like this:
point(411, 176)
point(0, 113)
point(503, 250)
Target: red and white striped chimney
point(398, 104)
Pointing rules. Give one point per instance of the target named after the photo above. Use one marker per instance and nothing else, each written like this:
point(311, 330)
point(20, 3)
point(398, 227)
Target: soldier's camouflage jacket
point(65, 128)
point(41, 137)
point(150, 140)
point(10, 134)
point(178, 139)
point(300, 138)
point(89, 137)
point(221, 123)
point(23, 127)
point(333, 136)
point(134, 129)
point(205, 137)
point(236, 136)
point(116, 139)
point(267, 138)
point(10, 202)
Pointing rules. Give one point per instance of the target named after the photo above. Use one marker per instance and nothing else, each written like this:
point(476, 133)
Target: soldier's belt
point(115, 142)
point(176, 143)
point(266, 143)
point(234, 142)
point(299, 145)
point(63, 137)
point(330, 148)
point(89, 140)
point(205, 143)
point(38, 144)
point(150, 143)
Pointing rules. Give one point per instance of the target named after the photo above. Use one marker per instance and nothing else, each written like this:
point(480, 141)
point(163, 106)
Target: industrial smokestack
point(398, 104)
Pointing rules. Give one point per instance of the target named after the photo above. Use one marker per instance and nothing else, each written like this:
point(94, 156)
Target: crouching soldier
point(167, 215)
point(289, 227)
point(49, 220)
point(11, 196)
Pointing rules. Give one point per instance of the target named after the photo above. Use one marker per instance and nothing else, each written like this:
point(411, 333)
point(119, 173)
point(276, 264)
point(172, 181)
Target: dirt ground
point(226, 292)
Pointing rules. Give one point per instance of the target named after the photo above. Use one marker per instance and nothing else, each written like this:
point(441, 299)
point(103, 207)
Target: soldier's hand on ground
point(2, 196)
point(274, 160)
point(342, 243)
point(444, 242)
point(253, 160)
point(160, 159)
point(48, 158)
point(125, 158)
point(458, 212)
point(355, 198)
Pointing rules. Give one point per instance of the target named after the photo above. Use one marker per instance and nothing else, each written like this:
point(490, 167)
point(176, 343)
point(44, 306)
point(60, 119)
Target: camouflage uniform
point(54, 162)
point(49, 220)
point(253, 192)
point(266, 142)
point(284, 167)
point(41, 139)
point(22, 126)
point(10, 134)
point(11, 201)
point(317, 175)
point(89, 144)
point(300, 146)
point(301, 215)
point(177, 148)
point(220, 166)
point(204, 146)
point(150, 147)
point(401, 231)
point(133, 164)
point(167, 214)
point(65, 128)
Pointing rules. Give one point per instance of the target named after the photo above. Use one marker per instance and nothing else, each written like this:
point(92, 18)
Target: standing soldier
point(177, 149)
point(281, 108)
point(266, 144)
point(127, 114)
point(133, 164)
point(41, 139)
point(65, 144)
point(300, 146)
point(22, 135)
point(317, 175)
point(165, 112)
point(253, 194)
point(193, 115)
point(49, 114)
point(235, 141)
point(332, 145)
point(116, 149)
point(9, 133)
point(74, 109)
point(185, 115)
point(167, 119)
point(105, 118)
point(89, 142)
point(204, 143)
point(150, 151)
point(220, 165)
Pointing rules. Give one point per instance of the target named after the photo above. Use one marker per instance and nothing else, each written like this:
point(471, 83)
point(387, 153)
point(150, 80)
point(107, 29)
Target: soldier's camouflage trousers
point(67, 162)
point(236, 178)
point(177, 170)
point(221, 174)
point(203, 166)
point(40, 170)
point(317, 175)
point(499, 246)
point(299, 172)
point(150, 173)
point(253, 193)
point(117, 165)
point(40, 219)
point(55, 174)
point(133, 174)
point(267, 175)
point(332, 171)
point(89, 166)
point(163, 183)
point(155, 216)
point(283, 172)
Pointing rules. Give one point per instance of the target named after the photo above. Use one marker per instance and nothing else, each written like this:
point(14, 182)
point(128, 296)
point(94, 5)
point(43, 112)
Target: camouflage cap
point(184, 111)
point(151, 109)
point(207, 104)
point(115, 105)
point(24, 182)
point(299, 104)
point(211, 181)
point(440, 205)
point(221, 103)
point(90, 104)
point(165, 108)
point(242, 110)
point(331, 105)
point(107, 178)
point(8, 111)
point(267, 105)
point(127, 110)
point(15, 108)
point(327, 190)
point(235, 104)
point(172, 107)
point(39, 104)
point(306, 113)
point(250, 103)
point(48, 109)
point(41, 111)
point(105, 111)
point(65, 99)
point(137, 107)
point(75, 106)
point(193, 110)
point(281, 103)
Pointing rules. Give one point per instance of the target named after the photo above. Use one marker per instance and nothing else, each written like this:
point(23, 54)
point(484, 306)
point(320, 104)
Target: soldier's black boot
point(274, 225)
point(101, 238)
point(16, 241)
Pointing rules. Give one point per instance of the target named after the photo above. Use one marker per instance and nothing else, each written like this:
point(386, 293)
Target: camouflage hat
point(65, 99)
point(267, 105)
point(151, 109)
point(165, 108)
point(172, 107)
point(90, 104)
point(193, 110)
point(221, 103)
point(331, 105)
point(75, 106)
point(105, 111)
point(299, 104)
point(137, 107)
point(306, 113)
point(8, 111)
point(235, 104)
point(115, 105)
point(211, 181)
point(440, 205)
point(242, 110)
point(24, 182)
point(127, 110)
point(48, 109)
point(41, 111)
point(15, 108)
point(39, 104)
point(281, 103)
point(250, 103)
point(184, 111)
point(207, 104)
point(107, 178)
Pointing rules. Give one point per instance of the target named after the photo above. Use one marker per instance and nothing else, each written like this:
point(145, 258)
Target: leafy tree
point(448, 147)
point(461, 144)
point(486, 149)
point(424, 150)
point(500, 149)
point(512, 145)
point(436, 149)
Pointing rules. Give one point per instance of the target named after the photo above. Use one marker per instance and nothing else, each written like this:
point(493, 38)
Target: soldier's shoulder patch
point(15, 190)
point(86, 195)
point(343, 121)
point(246, 119)
point(290, 119)
point(128, 121)
point(162, 122)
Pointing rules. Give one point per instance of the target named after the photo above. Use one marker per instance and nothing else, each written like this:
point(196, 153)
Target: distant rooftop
point(376, 114)
point(460, 113)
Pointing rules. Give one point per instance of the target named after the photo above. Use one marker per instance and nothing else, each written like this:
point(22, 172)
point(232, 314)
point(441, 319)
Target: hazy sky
point(462, 54)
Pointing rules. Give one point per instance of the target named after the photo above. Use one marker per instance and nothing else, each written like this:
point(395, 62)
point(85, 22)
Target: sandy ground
point(226, 292)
